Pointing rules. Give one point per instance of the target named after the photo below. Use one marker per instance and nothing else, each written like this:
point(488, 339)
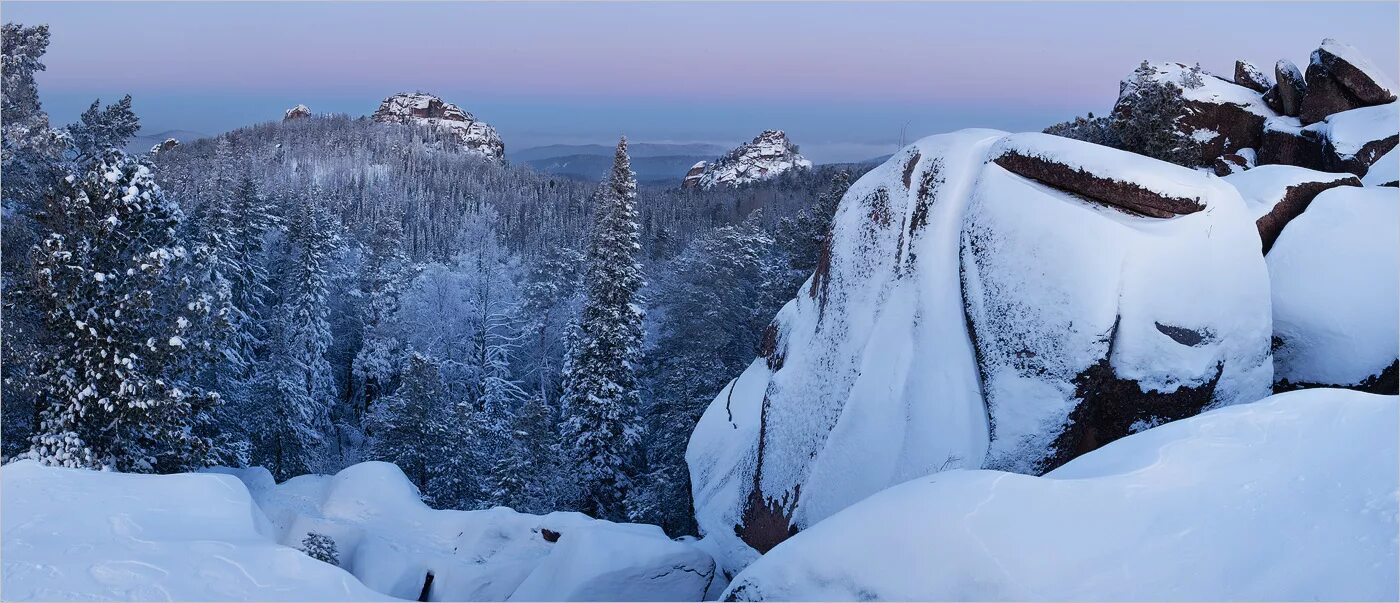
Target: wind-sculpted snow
point(391, 541)
point(870, 376)
point(1287, 499)
point(78, 535)
point(1336, 281)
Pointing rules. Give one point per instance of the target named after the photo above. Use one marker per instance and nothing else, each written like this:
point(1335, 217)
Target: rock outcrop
point(164, 146)
point(766, 156)
point(1340, 79)
point(297, 112)
point(1249, 76)
point(692, 176)
point(1217, 114)
point(986, 301)
point(417, 108)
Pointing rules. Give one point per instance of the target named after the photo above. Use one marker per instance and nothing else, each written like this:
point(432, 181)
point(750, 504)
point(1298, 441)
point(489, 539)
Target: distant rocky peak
point(164, 146)
point(296, 112)
point(766, 156)
point(418, 108)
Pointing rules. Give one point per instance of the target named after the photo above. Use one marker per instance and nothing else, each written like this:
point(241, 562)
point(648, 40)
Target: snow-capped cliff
point(766, 156)
point(425, 109)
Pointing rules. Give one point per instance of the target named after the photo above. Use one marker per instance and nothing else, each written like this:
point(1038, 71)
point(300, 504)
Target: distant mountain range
point(653, 162)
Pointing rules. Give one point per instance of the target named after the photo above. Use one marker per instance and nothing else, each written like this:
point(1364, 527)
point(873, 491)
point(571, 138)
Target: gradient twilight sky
point(841, 78)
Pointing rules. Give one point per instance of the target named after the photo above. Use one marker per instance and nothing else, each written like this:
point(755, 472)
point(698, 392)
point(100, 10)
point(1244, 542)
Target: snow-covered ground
point(75, 535)
point(1289, 498)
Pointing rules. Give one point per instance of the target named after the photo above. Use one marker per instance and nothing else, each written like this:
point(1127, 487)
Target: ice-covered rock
point(393, 543)
point(766, 156)
point(425, 109)
point(296, 112)
point(1287, 499)
point(870, 377)
point(72, 534)
point(1336, 281)
point(1275, 194)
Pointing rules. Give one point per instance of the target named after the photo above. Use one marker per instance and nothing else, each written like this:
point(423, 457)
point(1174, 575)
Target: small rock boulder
point(1249, 76)
point(1290, 88)
point(1234, 163)
point(1276, 194)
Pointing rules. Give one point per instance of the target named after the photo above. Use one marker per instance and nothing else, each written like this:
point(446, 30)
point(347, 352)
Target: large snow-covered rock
point(1275, 194)
point(1356, 139)
point(425, 109)
point(1286, 499)
point(1336, 292)
point(766, 156)
point(72, 534)
point(1091, 322)
point(392, 542)
point(870, 377)
point(297, 112)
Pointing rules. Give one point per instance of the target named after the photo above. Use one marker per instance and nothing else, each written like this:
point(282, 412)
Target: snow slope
point(1336, 288)
point(391, 541)
point(72, 534)
point(1289, 498)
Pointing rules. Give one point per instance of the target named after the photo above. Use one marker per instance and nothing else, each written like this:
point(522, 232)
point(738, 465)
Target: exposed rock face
point(923, 341)
point(1234, 163)
point(1363, 80)
point(1276, 194)
point(1291, 87)
point(296, 112)
point(692, 176)
point(164, 146)
point(1356, 139)
point(1335, 276)
point(417, 108)
point(1249, 76)
point(1324, 96)
point(1286, 142)
point(766, 156)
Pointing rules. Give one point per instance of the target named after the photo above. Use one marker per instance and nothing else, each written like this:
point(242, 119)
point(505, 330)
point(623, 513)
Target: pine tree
point(603, 429)
point(105, 274)
point(294, 384)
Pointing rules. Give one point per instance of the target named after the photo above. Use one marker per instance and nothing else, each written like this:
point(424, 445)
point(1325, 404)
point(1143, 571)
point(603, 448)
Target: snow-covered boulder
point(1336, 281)
point(1252, 77)
point(1339, 78)
point(1092, 319)
point(766, 156)
point(393, 542)
point(417, 108)
point(296, 112)
point(1385, 171)
point(1286, 142)
point(1286, 97)
point(72, 534)
point(1275, 194)
point(869, 377)
point(1286, 499)
point(1356, 139)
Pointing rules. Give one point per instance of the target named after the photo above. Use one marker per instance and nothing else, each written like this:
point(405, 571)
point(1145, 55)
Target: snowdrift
point(1290, 498)
point(77, 535)
point(983, 293)
point(72, 534)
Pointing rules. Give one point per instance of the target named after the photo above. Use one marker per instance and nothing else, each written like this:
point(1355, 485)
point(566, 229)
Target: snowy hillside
point(73, 534)
point(1290, 498)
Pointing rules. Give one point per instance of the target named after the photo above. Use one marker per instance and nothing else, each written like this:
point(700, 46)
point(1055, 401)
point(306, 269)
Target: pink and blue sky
point(842, 78)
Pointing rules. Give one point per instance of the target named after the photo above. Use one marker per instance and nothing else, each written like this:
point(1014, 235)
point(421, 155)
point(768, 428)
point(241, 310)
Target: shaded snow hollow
point(1286, 499)
point(73, 534)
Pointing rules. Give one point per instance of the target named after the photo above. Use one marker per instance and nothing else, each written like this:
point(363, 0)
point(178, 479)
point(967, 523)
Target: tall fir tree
point(415, 428)
point(383, 275)
point(294, 385)
point(106, 276)
point(603, 429)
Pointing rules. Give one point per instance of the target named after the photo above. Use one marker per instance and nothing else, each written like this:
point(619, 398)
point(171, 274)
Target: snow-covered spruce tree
point(321, 548)
point(293, 384)
point(804, 236)
point(603, 429)
point(383, 275)
point(32, 155)
point(417, 428)
point(1145, 119)
point(100, 129)
point(105, 276)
